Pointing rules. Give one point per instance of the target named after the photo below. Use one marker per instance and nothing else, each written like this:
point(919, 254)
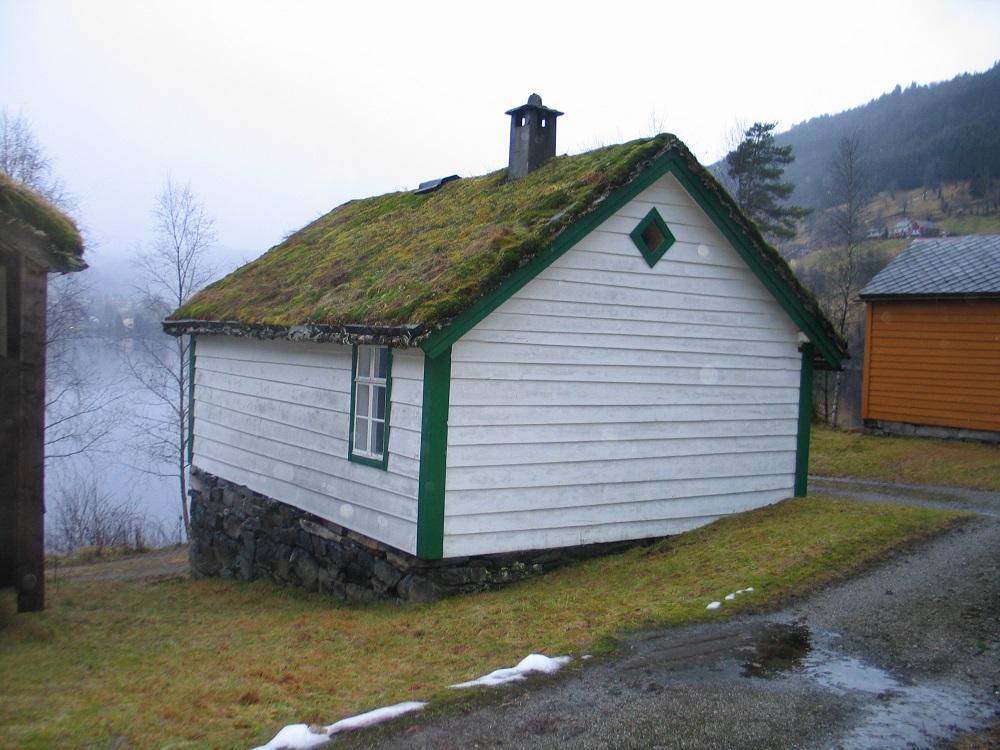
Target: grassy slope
point(884, 210)
point(914, 460)
point(223, 664)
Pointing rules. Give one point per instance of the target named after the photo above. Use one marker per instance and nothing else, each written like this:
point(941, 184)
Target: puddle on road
point(780, 649)
point(896, 714)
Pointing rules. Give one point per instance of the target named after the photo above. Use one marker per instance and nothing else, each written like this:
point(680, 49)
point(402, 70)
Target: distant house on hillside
point(932, 345)
point(915, 228)
point(439, 390)
point(35, 240)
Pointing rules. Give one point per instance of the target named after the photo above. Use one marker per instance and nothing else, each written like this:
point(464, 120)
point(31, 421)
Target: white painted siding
point(274, 416)
point(607, 400)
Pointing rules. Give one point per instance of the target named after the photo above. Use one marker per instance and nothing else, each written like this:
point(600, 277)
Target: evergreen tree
point(756, 166)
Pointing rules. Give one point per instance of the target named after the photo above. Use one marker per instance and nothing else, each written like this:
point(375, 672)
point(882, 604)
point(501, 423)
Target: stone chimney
point(532, 136)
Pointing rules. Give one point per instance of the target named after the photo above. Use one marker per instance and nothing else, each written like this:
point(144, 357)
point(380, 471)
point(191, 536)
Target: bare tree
point(80, 409)
point(850, 188)
point(173, 267)
point(22, 159)
point(732, 138)
point(86, 515)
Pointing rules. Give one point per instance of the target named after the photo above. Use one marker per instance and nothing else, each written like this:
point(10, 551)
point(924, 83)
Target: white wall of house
point(607, 400)
point(274, 416)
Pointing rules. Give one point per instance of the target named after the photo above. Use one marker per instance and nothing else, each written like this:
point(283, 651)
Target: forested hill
point(913, 137)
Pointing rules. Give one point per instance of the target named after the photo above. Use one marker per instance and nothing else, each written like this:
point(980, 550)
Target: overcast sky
point(276, 112)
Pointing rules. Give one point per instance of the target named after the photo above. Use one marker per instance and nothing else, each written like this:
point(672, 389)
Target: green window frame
point(371, 399)
point(652, 237)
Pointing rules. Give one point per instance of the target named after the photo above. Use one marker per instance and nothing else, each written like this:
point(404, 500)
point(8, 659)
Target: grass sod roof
point(24, 207)
point(402, 259)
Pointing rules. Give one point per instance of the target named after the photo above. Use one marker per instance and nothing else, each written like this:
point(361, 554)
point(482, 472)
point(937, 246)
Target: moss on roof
point(27, 207)
point(406, 258)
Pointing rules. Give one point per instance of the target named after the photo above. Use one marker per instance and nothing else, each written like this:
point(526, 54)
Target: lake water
point(117, 467)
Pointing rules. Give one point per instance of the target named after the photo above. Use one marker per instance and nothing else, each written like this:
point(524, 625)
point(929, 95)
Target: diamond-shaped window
point(652, 237)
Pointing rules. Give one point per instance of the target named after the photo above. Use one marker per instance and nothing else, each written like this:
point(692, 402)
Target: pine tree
point(756, 166)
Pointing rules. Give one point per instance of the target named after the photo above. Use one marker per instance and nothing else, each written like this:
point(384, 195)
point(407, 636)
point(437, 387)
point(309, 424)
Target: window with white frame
point(370, 420)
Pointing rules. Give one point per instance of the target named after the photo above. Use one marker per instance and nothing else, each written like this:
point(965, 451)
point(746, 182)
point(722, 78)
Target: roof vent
point(532, 136)
point(431, 185)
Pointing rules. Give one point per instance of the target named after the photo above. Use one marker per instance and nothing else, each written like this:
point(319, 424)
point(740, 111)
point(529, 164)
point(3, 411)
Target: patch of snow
point(748, 591)
point(527, 665)
point(586, 656)
point(296, 737)
point(714, 605)
point(374, 717)
point(304, 737)
point(730, 597)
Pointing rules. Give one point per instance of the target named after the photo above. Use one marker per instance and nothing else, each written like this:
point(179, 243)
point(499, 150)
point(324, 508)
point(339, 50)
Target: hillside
point(952, 208)
point(917, 136)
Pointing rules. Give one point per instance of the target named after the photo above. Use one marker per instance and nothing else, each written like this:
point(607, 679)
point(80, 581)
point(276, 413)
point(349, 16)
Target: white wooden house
point(603, 349)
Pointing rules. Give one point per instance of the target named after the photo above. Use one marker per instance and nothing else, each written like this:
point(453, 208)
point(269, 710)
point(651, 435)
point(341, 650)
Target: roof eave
point(400, 336)
point(38, 246)
point(929, 296)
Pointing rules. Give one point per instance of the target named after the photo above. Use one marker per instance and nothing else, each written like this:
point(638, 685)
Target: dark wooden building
point(35, 240)
point(932, 345)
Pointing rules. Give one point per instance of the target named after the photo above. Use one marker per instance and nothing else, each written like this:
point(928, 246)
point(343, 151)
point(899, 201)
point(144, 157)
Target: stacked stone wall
point(238, 533)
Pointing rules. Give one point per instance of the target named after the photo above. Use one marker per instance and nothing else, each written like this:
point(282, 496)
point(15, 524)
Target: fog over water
point(117, 466)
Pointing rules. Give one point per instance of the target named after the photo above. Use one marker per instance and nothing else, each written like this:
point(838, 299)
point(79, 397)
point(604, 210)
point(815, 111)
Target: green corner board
point(669, 162)
point(433, 455)
point(378, 463)
point(190, 404)
point(805, 422)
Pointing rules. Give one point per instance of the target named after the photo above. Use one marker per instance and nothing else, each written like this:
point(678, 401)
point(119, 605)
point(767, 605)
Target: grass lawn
point(221, 664)
point(899, 459)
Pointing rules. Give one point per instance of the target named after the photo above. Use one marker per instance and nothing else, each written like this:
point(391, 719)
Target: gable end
point(746, 247)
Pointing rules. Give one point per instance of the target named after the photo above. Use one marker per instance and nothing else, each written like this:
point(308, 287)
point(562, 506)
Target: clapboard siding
point(274, 416)
point(932, 362)
point(606, 400)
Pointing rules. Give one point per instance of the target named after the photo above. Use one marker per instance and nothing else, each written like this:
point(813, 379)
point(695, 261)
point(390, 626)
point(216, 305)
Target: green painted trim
point(190, 406)
point(380, 463)
point(653, 255)
point(805, 422)
point(443, 338)
point(744, 246)
point(433, 455)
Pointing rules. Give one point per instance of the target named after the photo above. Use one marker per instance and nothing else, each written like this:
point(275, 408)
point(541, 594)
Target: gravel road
point(906, 655)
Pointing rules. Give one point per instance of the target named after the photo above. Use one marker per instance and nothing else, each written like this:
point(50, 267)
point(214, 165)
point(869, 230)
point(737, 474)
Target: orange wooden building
point(932, 340)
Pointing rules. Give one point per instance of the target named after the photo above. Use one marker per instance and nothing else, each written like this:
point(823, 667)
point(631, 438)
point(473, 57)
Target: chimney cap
point(534, 102)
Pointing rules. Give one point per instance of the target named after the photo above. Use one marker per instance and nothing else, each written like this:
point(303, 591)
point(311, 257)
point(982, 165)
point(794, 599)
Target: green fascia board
point(670, 162)
point(378, 463)
point(777, 286)
point(652, 255)
point(190, 404)
point(433, 455)
point(805, 422)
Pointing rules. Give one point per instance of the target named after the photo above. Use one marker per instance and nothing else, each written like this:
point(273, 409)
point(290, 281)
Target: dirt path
point(905, 655)
point(161, 563)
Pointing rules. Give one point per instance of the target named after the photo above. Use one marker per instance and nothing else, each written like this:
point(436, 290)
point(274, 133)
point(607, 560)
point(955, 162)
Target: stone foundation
point(238, 533)
point(904, 429)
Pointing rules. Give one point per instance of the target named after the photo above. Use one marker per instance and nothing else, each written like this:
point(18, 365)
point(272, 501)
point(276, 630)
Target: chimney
point(532, 136)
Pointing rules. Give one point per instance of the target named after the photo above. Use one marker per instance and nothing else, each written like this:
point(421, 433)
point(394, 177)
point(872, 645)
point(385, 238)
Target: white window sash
point(366, 385)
